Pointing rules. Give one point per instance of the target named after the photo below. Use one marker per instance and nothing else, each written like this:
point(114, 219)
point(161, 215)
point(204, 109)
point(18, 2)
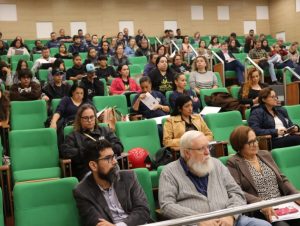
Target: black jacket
point(262, 122)
point(95, 88)
point(53, 91)
point(75, 143)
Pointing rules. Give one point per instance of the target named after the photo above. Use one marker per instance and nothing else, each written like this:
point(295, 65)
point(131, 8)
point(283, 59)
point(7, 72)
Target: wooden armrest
point(66, 167)
point(123, 162)
point(135, 117)
point(264, 142)
point(219, 149)
point(244, 107)
point(159, 215)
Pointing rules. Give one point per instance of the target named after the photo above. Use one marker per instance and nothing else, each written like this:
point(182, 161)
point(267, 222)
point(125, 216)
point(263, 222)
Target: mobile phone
point(290, 129)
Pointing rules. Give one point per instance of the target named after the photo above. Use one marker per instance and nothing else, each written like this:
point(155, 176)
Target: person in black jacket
point(232, 64)
point(57, 88)
point(86, 129)
point(91, 83)
point(144, 49)
point(270, 119)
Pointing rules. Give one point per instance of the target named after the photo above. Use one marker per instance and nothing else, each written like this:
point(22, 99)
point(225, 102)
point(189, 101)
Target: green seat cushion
point(230, 74)
point(154, 178)
point(36, 174)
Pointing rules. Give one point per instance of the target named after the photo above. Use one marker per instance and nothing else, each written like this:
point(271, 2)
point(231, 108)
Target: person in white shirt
point(45, 59)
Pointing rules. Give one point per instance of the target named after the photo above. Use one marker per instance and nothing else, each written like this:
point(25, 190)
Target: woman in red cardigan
point(123, 83)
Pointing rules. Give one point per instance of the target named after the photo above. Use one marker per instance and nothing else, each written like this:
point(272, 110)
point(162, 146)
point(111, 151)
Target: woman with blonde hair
point(248, 93)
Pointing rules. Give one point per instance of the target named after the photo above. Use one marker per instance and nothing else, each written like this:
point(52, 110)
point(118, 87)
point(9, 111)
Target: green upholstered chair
point(1, 209)
point(34, 154)
point(287, 159)
point(54, 104)
point(28, 114)
point(208, 92)
point(144, 179)
point(143, 134)
point(16, 58)
point(294, 113)
point(119, 101)
point(50, 202)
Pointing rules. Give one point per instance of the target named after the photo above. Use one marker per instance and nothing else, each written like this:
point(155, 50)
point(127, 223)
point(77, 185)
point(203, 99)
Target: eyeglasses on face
point(109, 158)
point(88, 118)
point(202, 149)
point(274, 97)
point(252, 143)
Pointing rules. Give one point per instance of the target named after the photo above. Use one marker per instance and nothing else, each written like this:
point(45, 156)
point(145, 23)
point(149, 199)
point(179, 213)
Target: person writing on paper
point(257, 174)
point(159, 108)
point(123, 83)
point(182, 119)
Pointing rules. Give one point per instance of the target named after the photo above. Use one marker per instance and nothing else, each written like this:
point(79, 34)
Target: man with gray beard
point(109, 196)
point(197, 183)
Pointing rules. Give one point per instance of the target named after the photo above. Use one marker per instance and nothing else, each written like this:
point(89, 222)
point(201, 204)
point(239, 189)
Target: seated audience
point(17, 48)
point(63, 52)
point(22, 64)
point(258, 175)
point(3, 49)
point(63, 37)
point(162, 51)
point(232, 37)
point(95, 43)
point(77, 72)
point(293, 54)
point(45, 59)
point(151, 64)
point(86, 129)
point(38, 47)
point(130, 48)
point(178, 66)
point(143, 50)
point(265, 46)
point(105, 50)
point(196, 38)
point(179, 90)
point(182, 119)
point(232, 47)
point(214, 43)
point(231, 63)
point(120, 198)
point(139, 37)
point(186, 50)
point(58, 64)
point(91, 83)
point(123, 83)
point(119, 58)
point(248, 94)
point(126, 36)
point(178, 34)
point(200, 77)
point(92, 57)
point(68, 106)
point(197, 183)
point(53, 43)
point(161, 76)
point(104, 70)
point(203, 51)
point(138, 106)
point(77, 46)
point(249, 44)
point(25, 90)
point(270, 119)
point(279, 58)
point(120, 39)
point(4, 109)
point(56, 88)
point(6, 77)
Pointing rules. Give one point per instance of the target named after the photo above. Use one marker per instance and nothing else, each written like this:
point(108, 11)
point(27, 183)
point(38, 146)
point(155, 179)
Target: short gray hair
point(186, 140)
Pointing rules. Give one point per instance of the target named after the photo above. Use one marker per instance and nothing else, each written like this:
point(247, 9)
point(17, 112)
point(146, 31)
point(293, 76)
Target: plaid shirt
point(258, 53)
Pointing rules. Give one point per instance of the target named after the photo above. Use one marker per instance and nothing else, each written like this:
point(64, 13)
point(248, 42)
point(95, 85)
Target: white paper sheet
point(287, 216)
point(158, 120)
point(150, 101)
point(210, 110)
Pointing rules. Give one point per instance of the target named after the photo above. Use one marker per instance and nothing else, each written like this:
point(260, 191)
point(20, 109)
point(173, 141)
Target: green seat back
point(208, 92)
point(54, 51)
point(143, 134)
point(34, 154)
point(247, 114)
point(220, 82)
point(16, 58)
point(234, 90)
point(28, 114)
point(104, 86)
point(15, 63)
point(4, 58)
point(240, 57)
point(100, 102)
point(135, 69)
point(1, 209)
point(141, 60)
point(223, 123)
point(168, 94)
point(29, 41)
point(2, 87)
point(36, 56)
point(68, 63)
point(144, 179)
point(159, 170)
point(132, 96)
point(288, 78)
point(54, 104)
point(50, 202)
point(287, 159)
point(43, 75)
point(83, 56)
point(294, 113)
point(224, 159)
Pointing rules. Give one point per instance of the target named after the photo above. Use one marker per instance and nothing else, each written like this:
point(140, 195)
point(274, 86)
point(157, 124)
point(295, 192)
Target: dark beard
point(112, 176)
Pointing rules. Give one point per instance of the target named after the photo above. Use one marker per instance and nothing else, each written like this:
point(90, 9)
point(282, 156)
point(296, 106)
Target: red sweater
point(117, 86)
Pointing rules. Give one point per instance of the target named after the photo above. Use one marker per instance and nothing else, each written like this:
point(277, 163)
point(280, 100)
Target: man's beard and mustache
point(200, 169)
point(112, 176)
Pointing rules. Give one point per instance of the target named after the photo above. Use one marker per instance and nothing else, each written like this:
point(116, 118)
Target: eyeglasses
point(109, 158)
point(202, 149)
point(274, 97)
point(88, 118)
point(252, 143)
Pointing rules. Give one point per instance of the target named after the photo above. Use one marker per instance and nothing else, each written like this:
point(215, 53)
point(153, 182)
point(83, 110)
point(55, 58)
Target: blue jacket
point(262, 122)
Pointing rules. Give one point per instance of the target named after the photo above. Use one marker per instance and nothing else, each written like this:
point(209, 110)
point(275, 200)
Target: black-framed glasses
point(88, 118)
point(109, 158)
point(202, 149)
point(253, 142)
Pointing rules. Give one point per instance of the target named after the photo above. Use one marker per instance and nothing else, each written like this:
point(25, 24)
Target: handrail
point(196, 53)
point(158, 40)
point(227, 212)
point(287, 68)
point(176, 46)
point(257, 66)
point(149, 45)
point(223, 65)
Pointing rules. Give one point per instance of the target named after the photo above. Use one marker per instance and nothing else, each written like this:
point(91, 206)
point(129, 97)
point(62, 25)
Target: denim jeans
point(251, 221)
